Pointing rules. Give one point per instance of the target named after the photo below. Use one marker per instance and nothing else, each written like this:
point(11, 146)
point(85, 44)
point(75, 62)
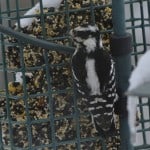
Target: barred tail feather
point(102, 113)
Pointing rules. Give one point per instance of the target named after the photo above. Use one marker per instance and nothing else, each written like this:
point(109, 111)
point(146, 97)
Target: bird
point(25, 22)
point(94, 75)
point(139, 76)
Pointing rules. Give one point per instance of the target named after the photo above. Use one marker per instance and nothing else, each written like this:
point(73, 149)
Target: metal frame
point(123, 67)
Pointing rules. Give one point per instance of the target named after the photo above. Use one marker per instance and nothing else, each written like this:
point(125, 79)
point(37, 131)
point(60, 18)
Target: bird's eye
point(83, 35)
point(75, 33)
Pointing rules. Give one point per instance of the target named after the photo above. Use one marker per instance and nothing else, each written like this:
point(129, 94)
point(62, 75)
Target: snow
point(141, 73)
point(139, 76)
point(24, 22)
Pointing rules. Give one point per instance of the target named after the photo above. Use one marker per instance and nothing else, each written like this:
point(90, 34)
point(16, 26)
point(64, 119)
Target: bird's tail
point(107, 129)
point(102, 113)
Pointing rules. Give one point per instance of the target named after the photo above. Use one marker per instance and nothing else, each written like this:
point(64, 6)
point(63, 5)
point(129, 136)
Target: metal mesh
point(44, 112)
point(138, 24)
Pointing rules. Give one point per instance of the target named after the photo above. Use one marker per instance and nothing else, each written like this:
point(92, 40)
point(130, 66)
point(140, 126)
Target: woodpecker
point(139, 76)
point(94, 74)
point(24, 22)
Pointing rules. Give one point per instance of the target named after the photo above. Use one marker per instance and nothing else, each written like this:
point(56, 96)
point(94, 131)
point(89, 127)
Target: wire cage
point(137, 17)
point(39, 106)
point(137, 24)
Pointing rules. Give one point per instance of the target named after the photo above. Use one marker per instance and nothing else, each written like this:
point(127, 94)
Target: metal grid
point(138, 24)
point(76, 117)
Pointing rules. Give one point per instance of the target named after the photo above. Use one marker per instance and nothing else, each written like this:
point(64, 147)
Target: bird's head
point(88, 36)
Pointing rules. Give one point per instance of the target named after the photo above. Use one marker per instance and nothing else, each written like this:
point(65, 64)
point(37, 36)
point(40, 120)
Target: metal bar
point(60, 12)
point(121, 50)
point(36, 42)
point(142, 25)
point(42, 20)
point(7, 94)
point(148, 6)
point(50, 101)
point(25, 99)
point(77, 116)
point(133, 31)
point(92, 12)
point(8, 11)
point(1, 138)
point(118, 15)
point(142, 121)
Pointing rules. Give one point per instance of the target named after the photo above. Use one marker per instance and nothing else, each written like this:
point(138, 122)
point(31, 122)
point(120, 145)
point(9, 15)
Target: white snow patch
point(19, 76)
point(131, 107)
point(139, 76)
point(24, 22)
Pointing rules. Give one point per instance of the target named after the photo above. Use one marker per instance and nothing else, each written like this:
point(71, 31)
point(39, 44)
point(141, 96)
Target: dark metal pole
point(121, 50)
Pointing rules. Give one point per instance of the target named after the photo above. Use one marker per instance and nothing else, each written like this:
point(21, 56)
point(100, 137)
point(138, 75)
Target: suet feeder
point(45, 112)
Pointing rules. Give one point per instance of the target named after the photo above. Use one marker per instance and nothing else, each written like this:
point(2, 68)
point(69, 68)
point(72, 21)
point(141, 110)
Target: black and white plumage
point(94, 74)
